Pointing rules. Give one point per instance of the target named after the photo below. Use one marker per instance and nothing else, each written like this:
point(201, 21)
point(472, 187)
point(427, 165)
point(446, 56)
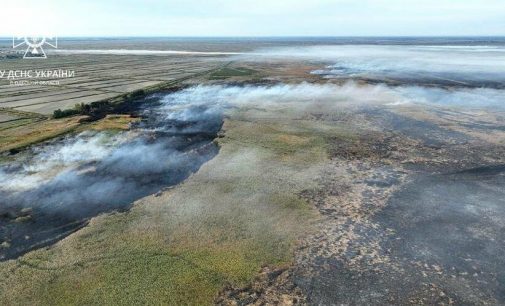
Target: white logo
point(34, 45)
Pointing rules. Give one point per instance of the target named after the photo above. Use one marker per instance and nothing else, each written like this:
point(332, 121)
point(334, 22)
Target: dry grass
point(32, 130)
point(239, 213)
point(18, 137)
point(111, 123)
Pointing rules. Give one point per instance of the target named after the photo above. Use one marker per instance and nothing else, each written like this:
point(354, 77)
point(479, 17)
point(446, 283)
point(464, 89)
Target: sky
point(252, 18)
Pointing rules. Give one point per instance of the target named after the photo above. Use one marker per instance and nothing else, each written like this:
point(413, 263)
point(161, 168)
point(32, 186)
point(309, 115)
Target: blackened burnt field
point(56, 187)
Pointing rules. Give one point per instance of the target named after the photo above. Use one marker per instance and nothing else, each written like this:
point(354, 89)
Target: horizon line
point(275, 36)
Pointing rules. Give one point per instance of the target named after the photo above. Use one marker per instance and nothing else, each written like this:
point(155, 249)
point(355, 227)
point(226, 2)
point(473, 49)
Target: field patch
point(33, 131)
point(229, 72)
point(240, 212)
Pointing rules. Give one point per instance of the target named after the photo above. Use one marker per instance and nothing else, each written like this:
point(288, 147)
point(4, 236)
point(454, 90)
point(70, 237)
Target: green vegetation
point(33, 131)
point(84, 109)
point(228, 72)
point(240, 212)
point(138, 94)
point(65, 113)
point(99, 109)
point(110, 123)
point(18, 137)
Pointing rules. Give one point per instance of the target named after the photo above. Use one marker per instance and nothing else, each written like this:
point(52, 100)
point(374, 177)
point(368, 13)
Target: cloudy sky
point(252, 17)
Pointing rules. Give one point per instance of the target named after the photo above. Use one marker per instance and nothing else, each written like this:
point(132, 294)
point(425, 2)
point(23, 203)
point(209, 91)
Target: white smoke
point(305, 96)
point(122, 162)
point(48, 160)
point(451, 63)
point(69, 180)
point(99, 169)
point(471, 98)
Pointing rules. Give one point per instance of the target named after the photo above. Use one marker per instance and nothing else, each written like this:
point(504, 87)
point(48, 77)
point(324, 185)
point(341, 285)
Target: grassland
point(18, 134)
point(229, 72)
point(239, 213)
point(110, 123)
point(246, 211)
point(30, 131)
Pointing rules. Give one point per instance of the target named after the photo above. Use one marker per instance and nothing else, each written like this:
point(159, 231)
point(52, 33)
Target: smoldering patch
point(59, 185)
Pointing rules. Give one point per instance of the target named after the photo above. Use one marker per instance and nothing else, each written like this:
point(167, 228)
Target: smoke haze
point(67, 181)
point(472, 66)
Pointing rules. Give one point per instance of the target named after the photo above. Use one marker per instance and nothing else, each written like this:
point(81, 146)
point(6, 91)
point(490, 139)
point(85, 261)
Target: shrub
point(65, 113)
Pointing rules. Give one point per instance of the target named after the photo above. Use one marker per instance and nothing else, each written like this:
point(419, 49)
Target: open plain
point(276, 175)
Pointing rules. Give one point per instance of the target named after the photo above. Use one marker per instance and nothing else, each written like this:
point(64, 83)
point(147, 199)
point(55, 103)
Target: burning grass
point(237, 214)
